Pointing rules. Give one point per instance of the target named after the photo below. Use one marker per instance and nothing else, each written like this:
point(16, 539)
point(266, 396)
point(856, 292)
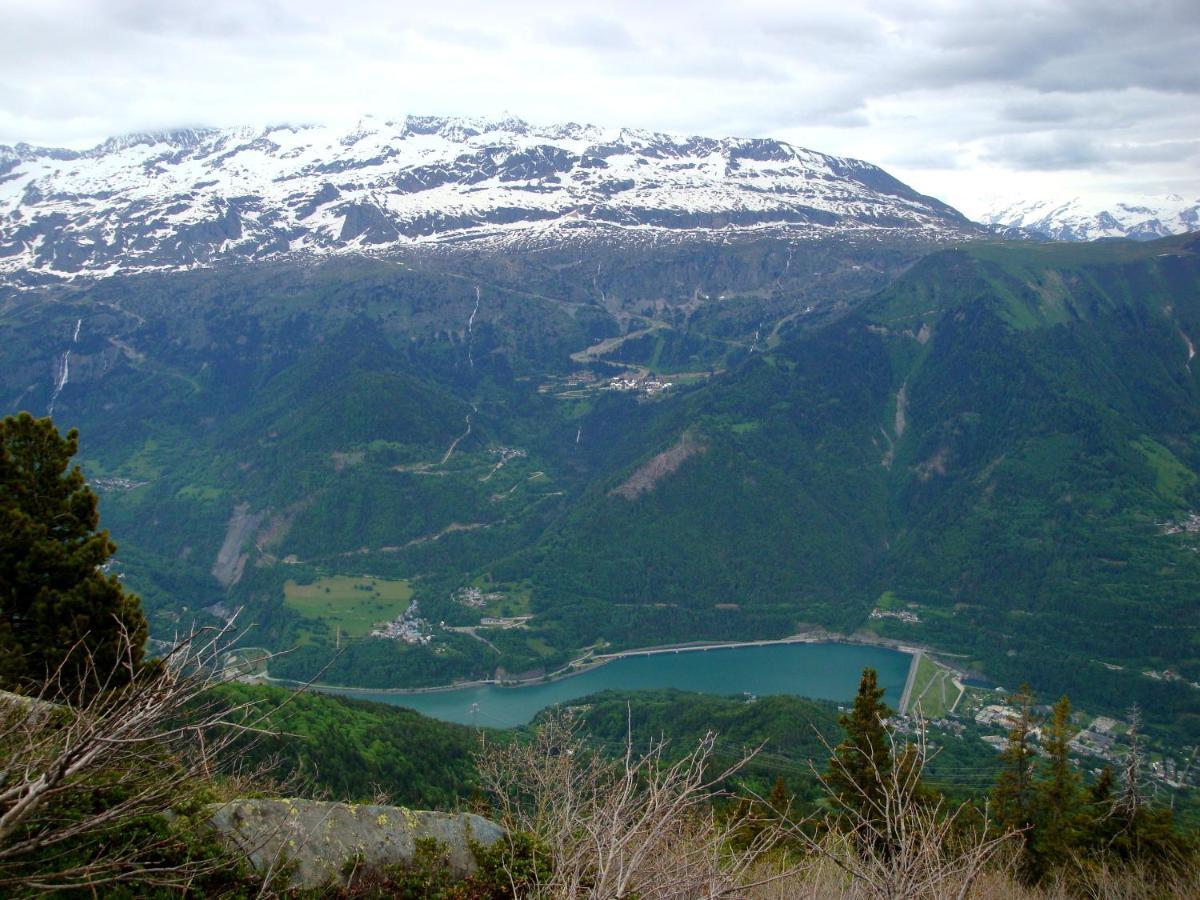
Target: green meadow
point(353, 604)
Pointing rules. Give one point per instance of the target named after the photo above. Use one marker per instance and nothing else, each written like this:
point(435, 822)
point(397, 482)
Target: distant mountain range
point(1097, 217)
point(189, 198)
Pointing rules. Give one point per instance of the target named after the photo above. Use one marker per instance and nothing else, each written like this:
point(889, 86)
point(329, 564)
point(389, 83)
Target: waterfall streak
point(470, 326)
point(62, 371)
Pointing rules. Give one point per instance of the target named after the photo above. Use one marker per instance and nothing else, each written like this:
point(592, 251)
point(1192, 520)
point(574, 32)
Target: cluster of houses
point(409, 628)
point(475, 598)
point(111, 484)
point(1190, 525)
point(1097, 741)
point(578, 384)
point(914, 725)
point(902, 615)
point(1167, 770)
point(650, 386)
point(999, 716)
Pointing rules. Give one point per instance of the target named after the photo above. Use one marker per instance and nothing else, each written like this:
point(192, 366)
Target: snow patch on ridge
point(183, 199)
point(1099, 216)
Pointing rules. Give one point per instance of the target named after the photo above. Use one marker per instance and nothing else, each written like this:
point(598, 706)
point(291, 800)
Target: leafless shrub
point(85, 763)
point(638, 825)
point(890, 839)
point(1104, 878)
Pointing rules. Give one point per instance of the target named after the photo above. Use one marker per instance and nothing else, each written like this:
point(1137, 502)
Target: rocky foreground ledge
point(316, 842)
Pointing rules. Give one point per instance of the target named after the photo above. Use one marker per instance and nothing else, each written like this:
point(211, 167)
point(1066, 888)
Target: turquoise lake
point(824, 671)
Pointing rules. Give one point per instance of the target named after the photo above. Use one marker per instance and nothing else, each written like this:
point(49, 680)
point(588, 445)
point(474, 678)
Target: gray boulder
point(319, 839)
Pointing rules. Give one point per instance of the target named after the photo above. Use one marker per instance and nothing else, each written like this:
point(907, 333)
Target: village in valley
point(948, 704)
point(638, 381)
point(409, 628)
point(992, 714)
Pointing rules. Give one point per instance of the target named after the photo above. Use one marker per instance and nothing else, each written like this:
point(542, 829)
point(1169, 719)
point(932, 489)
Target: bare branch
point(89, 755)
point(639, 825)
point(891, 840)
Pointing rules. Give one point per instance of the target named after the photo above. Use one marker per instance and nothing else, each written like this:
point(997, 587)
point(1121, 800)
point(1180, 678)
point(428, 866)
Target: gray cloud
point(464, 36)
point(219, 19)
point(1041, 110)
point(1068, 46)
point(936, 158)
point(1055, 152)
point(1167, 151)
point(591, 33)
point(823, 27)
point(1044, 152)
point(959, 95)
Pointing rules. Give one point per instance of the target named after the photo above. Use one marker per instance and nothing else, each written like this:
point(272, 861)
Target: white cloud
point(958, 98)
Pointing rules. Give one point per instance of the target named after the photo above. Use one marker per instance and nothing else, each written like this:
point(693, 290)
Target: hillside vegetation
point(1000, 441)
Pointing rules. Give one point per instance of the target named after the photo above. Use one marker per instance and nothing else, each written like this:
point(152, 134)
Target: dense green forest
point(330, 746)
point(999, 439)
point(322, 746)
point(356, 750)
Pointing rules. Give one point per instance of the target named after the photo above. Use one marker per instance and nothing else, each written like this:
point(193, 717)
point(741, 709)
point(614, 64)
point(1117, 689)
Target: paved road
point(912, 678)
point(686, 648)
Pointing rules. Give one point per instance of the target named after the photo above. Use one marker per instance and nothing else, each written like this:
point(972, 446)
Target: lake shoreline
point(591, 661)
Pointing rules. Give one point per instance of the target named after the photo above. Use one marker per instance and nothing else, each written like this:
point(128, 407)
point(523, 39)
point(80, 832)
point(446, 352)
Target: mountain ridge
point(199, 197)
point(1096, 217)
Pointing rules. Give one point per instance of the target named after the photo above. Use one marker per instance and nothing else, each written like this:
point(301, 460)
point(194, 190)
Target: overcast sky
point(960, 99)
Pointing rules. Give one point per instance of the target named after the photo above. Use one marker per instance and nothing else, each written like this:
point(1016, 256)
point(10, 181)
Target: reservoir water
point(824, 671)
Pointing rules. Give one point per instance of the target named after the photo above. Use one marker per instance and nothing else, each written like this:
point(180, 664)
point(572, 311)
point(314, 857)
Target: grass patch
point(146, 463)
point(540, 647)
point(514, 600)
point(888, 600)
point(681, 378)
point(1170, 475)
point(354, 604)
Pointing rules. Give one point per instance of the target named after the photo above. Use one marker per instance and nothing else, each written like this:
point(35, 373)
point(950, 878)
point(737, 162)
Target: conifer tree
point(864, 778)
point(864, 758)
point(1012, 796)
point(1100, 793)
point(1058, 792)
point(780, 798)
point(58, 608)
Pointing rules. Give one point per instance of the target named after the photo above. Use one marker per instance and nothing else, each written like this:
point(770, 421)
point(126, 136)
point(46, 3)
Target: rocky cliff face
point(318, 840)
point(194, 198)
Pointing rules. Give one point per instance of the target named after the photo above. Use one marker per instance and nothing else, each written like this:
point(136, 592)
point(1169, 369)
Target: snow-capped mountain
point(199, 197)
point(1095, 217)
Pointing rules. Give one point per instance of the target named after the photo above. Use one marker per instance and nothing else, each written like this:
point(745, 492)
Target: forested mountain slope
point(998, 441)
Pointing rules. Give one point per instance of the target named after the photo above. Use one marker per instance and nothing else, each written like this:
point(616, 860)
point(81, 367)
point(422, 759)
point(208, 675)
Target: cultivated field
point(354, 604)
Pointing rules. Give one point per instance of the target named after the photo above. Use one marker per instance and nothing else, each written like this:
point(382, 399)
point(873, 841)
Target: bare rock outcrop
point(231, 560)
point(316, 841)
point(646, 476)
